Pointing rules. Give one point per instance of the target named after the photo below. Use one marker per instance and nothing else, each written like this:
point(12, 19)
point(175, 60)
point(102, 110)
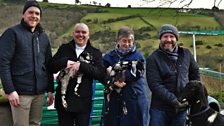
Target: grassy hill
point(146, 23)
point(59, 19)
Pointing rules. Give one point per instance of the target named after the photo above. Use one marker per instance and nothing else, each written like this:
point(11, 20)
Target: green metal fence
point(50, 114)
point(98, 99)
point(212, 73)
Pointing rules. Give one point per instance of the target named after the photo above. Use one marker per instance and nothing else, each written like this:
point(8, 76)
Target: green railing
point(98, 99)
point(212, 73)
point(50, 114)
point(49, 117)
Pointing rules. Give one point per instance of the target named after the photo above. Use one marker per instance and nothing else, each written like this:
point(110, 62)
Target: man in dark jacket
point(25, 54)
point(168, 70)
point(86, 61)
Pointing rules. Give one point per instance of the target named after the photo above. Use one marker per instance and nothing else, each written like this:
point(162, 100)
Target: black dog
point(200, 112)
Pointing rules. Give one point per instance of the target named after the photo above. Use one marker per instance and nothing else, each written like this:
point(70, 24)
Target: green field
point(145, 17)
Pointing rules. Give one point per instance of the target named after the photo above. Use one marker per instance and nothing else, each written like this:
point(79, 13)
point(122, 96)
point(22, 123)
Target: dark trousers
point(66, 118)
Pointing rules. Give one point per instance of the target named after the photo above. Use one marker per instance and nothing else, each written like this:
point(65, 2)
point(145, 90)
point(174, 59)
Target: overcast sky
point(139, 3)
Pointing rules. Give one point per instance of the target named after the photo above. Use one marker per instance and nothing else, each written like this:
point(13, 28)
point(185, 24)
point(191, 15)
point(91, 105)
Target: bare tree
point(77, 1)
point(107, 5)
point(182, 3)
point(171, 2)
point(94, 2)
point(215, 3)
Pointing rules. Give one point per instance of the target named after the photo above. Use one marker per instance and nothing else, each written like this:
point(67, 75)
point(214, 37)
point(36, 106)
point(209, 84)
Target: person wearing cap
point(24, 72)
point(168, 69)
point(80, 56)
point(133, 95)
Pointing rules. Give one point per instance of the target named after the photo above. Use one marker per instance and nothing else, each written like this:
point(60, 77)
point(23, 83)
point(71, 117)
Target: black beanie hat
point(168, 28)
point(31, 3)
point(125, 31)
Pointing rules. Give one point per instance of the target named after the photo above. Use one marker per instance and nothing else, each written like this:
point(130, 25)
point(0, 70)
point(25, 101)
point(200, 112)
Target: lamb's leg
point(64, 103)
point(64, 85)
point(79, 81)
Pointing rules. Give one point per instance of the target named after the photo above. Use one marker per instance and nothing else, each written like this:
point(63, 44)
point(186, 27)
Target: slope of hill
point(146, 23)
point(59, 19)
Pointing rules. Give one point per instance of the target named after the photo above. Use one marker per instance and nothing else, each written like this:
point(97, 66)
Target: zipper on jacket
point(35, 38)
point(38, 45)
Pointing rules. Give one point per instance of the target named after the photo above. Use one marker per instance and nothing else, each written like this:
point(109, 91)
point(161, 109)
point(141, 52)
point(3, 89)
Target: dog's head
point(194, 92)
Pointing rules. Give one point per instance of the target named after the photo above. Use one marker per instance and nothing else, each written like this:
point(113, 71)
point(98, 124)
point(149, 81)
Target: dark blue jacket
point(166, 80)
point(134, 94)
point(23, 60)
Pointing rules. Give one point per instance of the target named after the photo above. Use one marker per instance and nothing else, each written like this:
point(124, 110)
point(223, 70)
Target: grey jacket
point(24, 60)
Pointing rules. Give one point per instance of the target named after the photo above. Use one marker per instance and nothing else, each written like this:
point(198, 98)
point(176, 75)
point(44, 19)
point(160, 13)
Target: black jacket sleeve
point(49, 73)
point(7, 49)
point(59, 60)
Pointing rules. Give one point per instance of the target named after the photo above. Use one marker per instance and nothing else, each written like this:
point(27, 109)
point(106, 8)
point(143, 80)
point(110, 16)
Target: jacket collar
point(180, 51)
point(72, 44)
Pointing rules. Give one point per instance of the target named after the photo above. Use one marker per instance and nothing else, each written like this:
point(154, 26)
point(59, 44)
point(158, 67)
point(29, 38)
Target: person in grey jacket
point(25, 54)
point(168, 69)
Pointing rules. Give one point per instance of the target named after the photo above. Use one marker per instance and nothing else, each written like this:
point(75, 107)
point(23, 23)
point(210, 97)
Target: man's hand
point(50, 99)
point(75, 66)
point(69, 63)
point(14, 99)
point(180, 106)
point(119, 84)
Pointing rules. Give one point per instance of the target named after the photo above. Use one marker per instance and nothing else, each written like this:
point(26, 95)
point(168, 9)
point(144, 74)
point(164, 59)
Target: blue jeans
point(167, 118)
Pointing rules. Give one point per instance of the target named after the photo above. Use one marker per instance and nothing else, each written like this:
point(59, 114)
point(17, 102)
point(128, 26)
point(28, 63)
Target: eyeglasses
point(126, 41)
